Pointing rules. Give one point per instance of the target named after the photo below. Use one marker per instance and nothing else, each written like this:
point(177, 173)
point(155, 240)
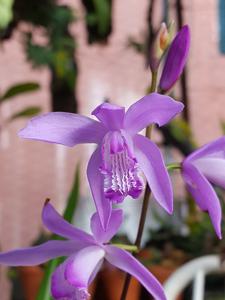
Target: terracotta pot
point(31, 278)
point(162, 272)
point(114, 281)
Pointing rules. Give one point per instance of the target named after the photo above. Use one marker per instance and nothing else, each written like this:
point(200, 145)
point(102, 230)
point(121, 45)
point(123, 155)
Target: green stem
point(173, 166)
point(145, 203)
point(131, 248)
point(153, 82)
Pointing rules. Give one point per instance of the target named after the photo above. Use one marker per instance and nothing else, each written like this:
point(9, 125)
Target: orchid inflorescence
point(115, 171)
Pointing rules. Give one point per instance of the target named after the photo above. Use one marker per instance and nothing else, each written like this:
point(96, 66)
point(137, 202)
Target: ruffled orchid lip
point(119, 168)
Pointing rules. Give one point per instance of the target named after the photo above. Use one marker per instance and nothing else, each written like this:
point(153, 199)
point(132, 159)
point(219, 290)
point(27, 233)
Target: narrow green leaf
point(30, 111)
point(44, 291)
point(18, 89)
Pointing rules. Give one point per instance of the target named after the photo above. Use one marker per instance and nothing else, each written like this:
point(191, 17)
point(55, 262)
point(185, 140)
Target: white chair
point(195, 271)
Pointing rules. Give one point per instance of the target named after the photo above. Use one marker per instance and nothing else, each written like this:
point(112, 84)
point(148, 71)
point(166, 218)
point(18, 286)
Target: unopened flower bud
point(176, 59)
point(161, 43)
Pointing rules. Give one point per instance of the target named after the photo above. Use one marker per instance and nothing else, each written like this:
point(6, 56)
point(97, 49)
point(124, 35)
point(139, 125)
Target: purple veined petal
point(63, 128)
point(38, 254)
point(115, 221)
point(96, 181)
point(213, 149)
point(152, 108)
point(151, 163)
point(55, 223)
point(176, 59)
point(203, 193)
point(213, 169)
point(126, 262)
point(110, 115)
point(83, 264)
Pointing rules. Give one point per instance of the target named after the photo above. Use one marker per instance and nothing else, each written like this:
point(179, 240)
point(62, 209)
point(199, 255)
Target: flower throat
point(120, 169)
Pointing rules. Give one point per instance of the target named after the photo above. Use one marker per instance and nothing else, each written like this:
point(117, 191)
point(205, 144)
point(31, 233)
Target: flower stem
point(145, 203)
point(131, 248)
point(173, 166)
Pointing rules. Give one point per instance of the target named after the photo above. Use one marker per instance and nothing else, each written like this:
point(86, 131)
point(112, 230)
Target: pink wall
point(30, 170)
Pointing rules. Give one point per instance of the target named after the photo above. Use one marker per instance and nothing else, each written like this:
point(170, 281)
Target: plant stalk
point(145, 203)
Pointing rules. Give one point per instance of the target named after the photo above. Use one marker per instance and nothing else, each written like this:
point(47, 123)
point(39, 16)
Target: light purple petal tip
point(63, 128)
point(110, 115)
point(204, 194)
point(215, 149)
point(213, 169)
point(56, 224)
point(96, 181)
point(176, 59)
point(126, 262)
point(38, 254)
point(152, 108)
point(151, 162)
point(101, 235)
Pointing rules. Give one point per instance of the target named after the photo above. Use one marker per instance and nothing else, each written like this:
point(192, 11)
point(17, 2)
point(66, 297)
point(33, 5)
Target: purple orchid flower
point(176, 59)
point(114, 168)
point(203, 166)
point(86, 254)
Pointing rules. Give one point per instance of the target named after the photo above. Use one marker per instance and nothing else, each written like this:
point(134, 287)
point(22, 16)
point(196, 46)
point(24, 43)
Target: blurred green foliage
point(6, 13)
point(98, 19)
point(16, 90)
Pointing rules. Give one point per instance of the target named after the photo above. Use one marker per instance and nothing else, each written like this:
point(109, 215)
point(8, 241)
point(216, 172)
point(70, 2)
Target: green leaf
point(44, 291)
point(28, 112)
point(18, 89)
point(103, 11)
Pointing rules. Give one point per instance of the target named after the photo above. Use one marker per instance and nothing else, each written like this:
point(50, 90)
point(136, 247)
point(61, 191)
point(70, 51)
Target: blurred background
point(71, 55)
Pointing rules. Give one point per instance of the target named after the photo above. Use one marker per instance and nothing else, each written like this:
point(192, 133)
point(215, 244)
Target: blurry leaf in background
point(72, 201)
point(223, 126)
point(38, 55)
point(178, 135)
point(98, 19)
point(18, 89)
point(28, 112)
point(6, 13)
point(180, 129)
point(138, 46)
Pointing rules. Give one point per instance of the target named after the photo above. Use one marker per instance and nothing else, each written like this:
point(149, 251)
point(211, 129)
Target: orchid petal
point(110, 115)
point(63, 128)
point(214, 149)
point(151, 163)
point(126, 262)
point(83, 264)
point(153, 108)
point(55, 223)
point(60, 287)
point(39, 254)
point(204, 194)
point(213, 169)
point(96, 181)
point(176, 59)
point(115, 221)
